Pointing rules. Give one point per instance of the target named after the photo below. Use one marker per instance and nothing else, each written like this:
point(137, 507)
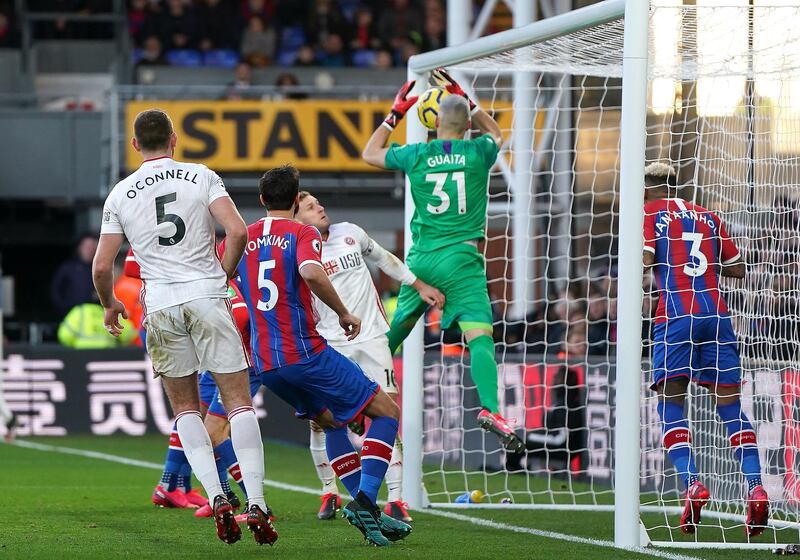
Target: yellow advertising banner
point(252, 136)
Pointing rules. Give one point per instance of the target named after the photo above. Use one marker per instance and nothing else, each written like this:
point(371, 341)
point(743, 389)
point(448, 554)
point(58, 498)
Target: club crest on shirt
point(316, 245)
point(349, 240)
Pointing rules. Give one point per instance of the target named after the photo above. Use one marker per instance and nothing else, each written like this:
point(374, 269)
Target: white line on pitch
point(306, 490)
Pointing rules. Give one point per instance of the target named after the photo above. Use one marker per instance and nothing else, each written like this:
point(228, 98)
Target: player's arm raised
point(480, 118)
point(397, 269)
point(225, 213)
point(103, 276)
point(375, 151)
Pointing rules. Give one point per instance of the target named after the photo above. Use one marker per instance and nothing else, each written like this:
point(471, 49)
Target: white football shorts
point(374, 358)
point(199, 335)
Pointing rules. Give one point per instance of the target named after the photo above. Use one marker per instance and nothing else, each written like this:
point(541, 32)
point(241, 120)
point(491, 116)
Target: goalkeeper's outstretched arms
point(480, 118)
point(375, 151)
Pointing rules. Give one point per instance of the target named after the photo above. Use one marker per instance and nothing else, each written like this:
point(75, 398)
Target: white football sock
point(322, 463)
point(246, 439)
point(394, 474)
point(199, 452)
point(5, 412)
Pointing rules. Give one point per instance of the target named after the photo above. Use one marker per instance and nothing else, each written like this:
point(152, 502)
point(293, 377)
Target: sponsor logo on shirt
point(345, 262)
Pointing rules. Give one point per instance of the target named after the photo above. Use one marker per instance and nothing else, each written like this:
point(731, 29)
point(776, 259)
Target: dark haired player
point(693, 338)
point(280, 269)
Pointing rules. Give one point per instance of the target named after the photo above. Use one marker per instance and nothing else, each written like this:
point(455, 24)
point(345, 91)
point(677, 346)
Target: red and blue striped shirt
point(688, 243)
point(282, 315)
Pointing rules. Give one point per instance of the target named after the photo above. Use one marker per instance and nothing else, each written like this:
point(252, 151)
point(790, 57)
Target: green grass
point(64, 506)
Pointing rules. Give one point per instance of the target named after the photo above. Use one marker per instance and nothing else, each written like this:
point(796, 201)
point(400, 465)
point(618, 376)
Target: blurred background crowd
point(330, 33)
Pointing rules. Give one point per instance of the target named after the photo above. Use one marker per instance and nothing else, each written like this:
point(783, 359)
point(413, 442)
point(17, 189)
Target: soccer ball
point(428, 106)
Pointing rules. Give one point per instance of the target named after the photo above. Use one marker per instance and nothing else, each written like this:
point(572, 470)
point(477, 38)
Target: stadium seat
point(292, 38)
point(363, 58)
point(221, 58)
point(136, 56)
point(348, 8)
point(184, 57)
point(286, 57)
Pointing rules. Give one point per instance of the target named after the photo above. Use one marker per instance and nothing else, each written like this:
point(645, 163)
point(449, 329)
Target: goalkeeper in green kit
point(449, 179)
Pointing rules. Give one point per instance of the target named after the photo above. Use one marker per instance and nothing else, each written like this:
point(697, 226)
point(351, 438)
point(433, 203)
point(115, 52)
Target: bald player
point(449, 179)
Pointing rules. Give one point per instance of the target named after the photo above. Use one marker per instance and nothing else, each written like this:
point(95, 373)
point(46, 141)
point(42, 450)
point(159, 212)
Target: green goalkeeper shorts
point(459, 273)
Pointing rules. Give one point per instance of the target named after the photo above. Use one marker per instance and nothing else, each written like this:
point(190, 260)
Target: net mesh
point(686, 43)
point(724, 110)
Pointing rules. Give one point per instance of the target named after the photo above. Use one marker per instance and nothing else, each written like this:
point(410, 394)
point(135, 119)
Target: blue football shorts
point(209, 394)
point(326, 381)
point(702, 349)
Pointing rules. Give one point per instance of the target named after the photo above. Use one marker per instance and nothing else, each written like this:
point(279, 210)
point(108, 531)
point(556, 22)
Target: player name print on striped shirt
point(689, 243)
point(282, 317)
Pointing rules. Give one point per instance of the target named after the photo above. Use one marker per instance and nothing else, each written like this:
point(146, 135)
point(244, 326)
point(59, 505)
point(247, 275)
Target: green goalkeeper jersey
point(449, 184)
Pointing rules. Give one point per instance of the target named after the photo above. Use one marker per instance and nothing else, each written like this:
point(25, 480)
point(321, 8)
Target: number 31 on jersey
point(440, 180)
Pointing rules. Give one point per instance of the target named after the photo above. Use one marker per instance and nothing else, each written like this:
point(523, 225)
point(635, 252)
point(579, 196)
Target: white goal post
point(607, 60)
point(632, 169)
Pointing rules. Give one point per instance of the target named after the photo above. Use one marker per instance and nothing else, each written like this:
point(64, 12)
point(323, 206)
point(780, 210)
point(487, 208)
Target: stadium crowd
point(328, 33)
point(325, 33)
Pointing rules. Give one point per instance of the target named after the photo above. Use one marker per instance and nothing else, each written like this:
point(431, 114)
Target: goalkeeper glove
point(442, 78)
point(402, 103)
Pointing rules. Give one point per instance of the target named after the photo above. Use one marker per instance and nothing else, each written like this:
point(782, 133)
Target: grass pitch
point(57, 504)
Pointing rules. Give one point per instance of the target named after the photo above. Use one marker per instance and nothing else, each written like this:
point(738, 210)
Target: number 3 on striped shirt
point(265, 283)
point(700, 268)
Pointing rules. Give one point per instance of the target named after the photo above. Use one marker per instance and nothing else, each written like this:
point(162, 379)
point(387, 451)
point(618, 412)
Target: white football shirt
point(343, 261)
point(162, 209)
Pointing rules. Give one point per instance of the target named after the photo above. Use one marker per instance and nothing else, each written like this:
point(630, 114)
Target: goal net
point(724, 111)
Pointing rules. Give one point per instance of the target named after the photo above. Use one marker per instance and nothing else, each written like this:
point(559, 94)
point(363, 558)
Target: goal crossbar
point(537, 32)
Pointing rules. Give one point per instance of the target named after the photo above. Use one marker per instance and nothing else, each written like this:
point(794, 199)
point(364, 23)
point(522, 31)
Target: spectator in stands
point(177, 27)
point(83, 329)
point(598, 329)
point(261, 8)
point(286, 83)
point(138, 16)
point(152, 53)
point(240, 87)
point(783, 330)
point(408, 48)
point(325, 19)
point(433, 36)
point(433, 8)
point(575, 347)
point(383, 59)
point(567, 338)
point(365, 35)
point(333, 54)
point(305, 56)
point(398, 22)
point(72, 283)
point(8, 35)
point(535, 330)
point(258, 43)
point(218, 26)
